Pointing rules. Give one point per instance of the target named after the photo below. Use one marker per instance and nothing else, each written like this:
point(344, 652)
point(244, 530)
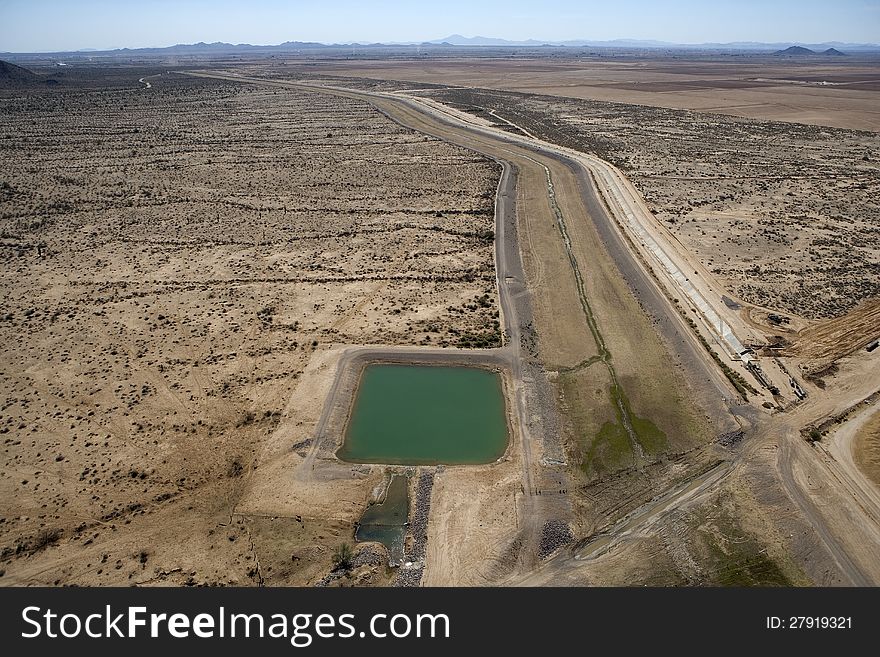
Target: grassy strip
point(582, 365)
point(612, 445)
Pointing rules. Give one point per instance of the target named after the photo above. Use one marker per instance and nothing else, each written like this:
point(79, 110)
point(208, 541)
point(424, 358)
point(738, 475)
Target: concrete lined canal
point(426, 415)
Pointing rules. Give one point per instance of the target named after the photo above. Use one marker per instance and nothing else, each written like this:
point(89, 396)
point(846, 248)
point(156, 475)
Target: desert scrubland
point(173, 257)
point(783, 214)
point(185, 260)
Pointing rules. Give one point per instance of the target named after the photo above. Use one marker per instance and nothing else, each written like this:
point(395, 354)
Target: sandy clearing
point(865, 449)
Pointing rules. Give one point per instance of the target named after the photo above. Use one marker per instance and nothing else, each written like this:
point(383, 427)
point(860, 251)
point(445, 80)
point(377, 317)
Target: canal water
point(386, 522)
point(425, 415)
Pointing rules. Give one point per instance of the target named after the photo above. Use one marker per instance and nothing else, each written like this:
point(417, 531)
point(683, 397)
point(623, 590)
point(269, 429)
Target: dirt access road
point(832, 492)
point(838, 449)
point(566, 189)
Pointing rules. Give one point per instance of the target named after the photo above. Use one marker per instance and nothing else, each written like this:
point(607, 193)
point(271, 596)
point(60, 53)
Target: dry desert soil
point(174, 258)
point(195, 253)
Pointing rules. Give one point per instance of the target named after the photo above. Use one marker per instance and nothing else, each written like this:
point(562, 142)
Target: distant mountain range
point(800, 51)
point(830, 48)
point(192, 48)
point(219, 47)
point(458, 40)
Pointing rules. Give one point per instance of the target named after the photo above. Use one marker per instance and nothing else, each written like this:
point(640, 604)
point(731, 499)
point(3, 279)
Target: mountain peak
point(16, 76)
point(795, 51)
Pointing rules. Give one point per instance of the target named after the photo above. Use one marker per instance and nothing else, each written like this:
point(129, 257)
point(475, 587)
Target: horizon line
point(511, 43)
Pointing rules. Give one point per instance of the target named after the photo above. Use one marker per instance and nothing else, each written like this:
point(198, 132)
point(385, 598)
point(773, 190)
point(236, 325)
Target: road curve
point(838, 452)
point(785, 461)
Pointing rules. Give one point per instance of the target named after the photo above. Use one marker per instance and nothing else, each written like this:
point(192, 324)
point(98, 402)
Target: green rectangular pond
point(426, 414)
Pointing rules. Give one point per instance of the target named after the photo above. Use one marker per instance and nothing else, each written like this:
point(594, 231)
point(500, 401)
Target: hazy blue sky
point(44, 25)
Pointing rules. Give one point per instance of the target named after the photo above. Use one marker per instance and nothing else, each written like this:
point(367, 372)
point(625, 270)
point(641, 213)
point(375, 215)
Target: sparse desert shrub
point(46, 538)
point(235, 469)
point(342, 557)
point(248, 418)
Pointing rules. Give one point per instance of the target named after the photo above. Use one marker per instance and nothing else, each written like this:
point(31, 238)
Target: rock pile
point(730, 438)
point(418, 526)
point(328, 579)
point(544, 424)
point(410, 574)
point(554, 535)
point(301, 447)
point(368, 556)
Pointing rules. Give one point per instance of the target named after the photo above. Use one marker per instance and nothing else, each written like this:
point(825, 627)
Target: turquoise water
point(425, 414)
